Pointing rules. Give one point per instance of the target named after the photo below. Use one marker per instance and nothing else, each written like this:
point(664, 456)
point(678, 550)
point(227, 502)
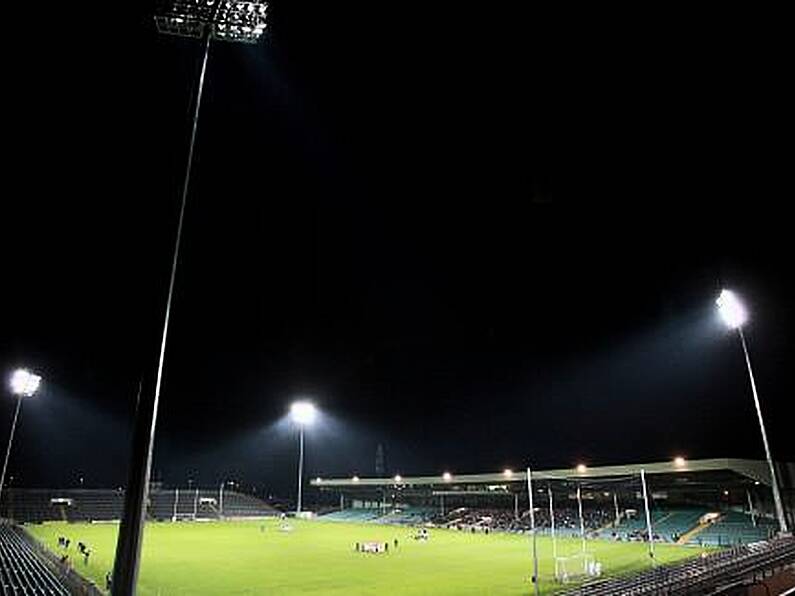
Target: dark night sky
point(482, 238)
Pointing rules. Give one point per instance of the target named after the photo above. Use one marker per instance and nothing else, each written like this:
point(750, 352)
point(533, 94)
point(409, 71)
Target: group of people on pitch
point(374, 547)
point(82, 548)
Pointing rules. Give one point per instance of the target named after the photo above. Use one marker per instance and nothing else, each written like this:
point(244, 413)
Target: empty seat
point(21, 570)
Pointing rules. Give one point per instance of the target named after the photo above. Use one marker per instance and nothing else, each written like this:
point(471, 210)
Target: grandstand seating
point(36, 505)
point(401, 515)
point(636, 525)
point(81, 505)
point(21, 570)
point(241, 505)
point(188, 502)
point(353, 515)
point(93, 505)
point(567, 521)
point(667, 526)
point(676, 522)
point(730, 528)
point(161, 504)
point(407, 516)
point(733, 528)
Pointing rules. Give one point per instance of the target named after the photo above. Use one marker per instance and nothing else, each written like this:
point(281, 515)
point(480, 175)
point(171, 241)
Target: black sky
point(481, 238)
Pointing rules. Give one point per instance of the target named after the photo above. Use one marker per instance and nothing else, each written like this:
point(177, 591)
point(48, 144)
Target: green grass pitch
point(318, 558)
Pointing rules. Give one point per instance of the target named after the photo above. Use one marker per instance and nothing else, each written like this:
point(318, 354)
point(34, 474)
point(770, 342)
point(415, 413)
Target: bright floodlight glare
point(24, 383)
point(679, 461)
point(227, 20)
point(731, 309)
point(356, 479)
point(398, 478)
point(507, 472)
point(581, 468)
point(303, 412)
point(447, 476)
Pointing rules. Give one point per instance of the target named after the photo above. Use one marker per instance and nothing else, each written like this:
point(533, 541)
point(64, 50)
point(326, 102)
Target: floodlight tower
point(303, 414)
point(224, 20)
point(23, 383)
point(734, 315)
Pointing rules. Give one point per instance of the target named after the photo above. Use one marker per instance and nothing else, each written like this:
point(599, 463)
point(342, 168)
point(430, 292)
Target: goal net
point(576, 567)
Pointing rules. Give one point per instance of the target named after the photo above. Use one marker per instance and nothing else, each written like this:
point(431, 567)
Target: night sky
point(481, 238)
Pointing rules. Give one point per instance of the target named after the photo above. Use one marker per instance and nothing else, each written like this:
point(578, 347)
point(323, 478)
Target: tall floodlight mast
point(303, 414)
point(223, 20)
point(24, 384)
point(733, 313)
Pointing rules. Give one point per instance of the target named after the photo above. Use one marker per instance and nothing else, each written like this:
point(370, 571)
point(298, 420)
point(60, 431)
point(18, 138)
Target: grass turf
point(318, 558)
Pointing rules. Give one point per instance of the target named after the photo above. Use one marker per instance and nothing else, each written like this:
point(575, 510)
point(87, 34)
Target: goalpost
point(178, 515)
point(576, 567)
point(569, 568)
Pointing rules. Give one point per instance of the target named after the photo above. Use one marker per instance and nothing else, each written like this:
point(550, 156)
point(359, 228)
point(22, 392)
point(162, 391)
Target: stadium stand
point(667, 525)
point(37, 505)
point(353, 515)
point(733, 528)
point(21, 571)
point(479, 518)
point(671, 525)
point(407, 516)
point(634, 528)
point(676, 522)
point(161, 504)
point(728, 528)
point(96, 505)
point(242, 505)
point(567, 520)
point(86, 505)
point(723, 568)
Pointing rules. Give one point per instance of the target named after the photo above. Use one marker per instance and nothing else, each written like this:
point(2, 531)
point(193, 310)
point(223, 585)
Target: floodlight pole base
point(128, 544)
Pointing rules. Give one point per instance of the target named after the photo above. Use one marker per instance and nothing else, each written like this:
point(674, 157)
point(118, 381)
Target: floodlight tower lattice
point(223, 20)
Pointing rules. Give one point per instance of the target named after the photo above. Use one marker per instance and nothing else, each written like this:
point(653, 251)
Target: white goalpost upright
point(648, 513)
point(176, 502)
point(582, 521)
point(751, 511)
point(533, 528)
point(552, 524)
point(192, 514)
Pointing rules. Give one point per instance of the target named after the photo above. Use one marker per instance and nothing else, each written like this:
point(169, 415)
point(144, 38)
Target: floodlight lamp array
point(24, 383)
point(228, 20)
point(731, 309)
